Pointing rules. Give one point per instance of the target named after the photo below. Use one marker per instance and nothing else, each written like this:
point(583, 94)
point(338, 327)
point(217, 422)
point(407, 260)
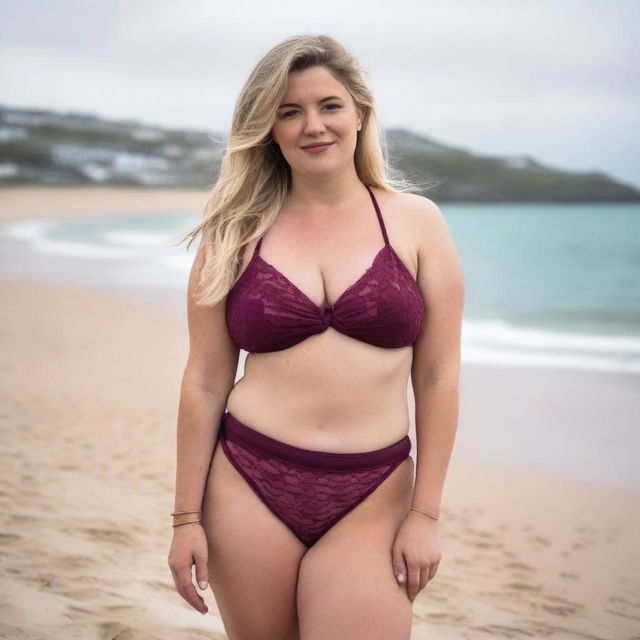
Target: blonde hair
point(255, 179)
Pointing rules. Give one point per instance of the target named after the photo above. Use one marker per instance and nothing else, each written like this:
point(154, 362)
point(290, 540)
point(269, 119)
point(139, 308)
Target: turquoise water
point(566, 267)
point(546, 285)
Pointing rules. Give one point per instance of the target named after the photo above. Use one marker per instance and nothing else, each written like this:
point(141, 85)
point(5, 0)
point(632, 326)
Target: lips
point(318, 145)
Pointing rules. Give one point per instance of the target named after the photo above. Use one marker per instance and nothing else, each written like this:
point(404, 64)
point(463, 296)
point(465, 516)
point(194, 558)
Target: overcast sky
point(554, 79)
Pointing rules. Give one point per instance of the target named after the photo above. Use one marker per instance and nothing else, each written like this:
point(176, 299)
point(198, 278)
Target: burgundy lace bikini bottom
point(307, 490)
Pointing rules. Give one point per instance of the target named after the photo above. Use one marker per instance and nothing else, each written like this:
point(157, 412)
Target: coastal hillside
point(466, 177)
point(67, 148)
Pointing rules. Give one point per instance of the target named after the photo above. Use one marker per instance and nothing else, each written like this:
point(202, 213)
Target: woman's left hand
point(416, 552)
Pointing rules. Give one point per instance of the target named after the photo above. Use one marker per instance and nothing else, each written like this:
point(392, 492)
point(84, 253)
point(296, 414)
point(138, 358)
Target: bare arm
point(435, 372)
point(436, 362)
point(208, 379)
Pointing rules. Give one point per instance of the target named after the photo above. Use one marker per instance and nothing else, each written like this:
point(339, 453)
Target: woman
point(305, 519)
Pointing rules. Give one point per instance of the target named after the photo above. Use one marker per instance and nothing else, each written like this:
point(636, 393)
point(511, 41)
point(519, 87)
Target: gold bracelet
point(189, 522)
point(425, 513)
point(179, 513)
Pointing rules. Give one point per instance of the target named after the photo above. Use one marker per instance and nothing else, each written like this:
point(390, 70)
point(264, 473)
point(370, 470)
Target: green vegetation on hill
point(462, 176)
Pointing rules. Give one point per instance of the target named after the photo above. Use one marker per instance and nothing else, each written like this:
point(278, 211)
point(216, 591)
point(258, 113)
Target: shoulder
point(420, 211)
point(409, 208)
point(416, 217)
point(425, 227)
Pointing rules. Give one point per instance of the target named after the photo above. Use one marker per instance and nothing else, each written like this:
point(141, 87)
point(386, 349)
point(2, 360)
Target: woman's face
point(316, 108)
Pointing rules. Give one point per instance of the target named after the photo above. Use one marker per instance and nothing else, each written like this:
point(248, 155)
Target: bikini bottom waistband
point(239, 432)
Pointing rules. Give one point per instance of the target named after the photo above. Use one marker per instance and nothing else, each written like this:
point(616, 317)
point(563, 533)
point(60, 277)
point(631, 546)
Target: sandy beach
point(89, 394)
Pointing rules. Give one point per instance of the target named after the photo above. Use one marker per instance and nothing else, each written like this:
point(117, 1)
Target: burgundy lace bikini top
point(266, 312)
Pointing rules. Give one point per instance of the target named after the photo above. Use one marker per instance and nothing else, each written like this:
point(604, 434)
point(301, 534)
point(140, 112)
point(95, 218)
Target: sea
point(546, 285)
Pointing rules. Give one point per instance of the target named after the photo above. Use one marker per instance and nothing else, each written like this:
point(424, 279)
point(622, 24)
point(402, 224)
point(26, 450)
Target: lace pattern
point(267, 312)
point(309, 501)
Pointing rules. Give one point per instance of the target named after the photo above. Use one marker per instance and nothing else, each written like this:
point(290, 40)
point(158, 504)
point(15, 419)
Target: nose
point(313, 124)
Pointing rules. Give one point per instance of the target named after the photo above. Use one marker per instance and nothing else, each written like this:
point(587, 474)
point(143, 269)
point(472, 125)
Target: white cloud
point(554, 79)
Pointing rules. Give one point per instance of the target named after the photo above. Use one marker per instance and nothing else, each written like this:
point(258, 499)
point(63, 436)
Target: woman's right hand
point(189, 547)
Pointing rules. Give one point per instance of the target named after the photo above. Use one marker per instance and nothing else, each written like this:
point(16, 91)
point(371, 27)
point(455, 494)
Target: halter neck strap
point(380, 220)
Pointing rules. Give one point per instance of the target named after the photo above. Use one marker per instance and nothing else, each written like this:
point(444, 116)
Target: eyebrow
point(293, 104)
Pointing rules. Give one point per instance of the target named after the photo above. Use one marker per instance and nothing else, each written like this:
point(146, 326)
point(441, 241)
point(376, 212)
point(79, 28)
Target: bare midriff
point(329, 392)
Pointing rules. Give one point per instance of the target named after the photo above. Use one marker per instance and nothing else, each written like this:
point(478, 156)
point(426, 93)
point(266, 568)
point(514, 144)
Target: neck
point(321, 193)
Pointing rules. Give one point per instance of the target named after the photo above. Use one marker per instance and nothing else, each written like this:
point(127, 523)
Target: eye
point(286, 114)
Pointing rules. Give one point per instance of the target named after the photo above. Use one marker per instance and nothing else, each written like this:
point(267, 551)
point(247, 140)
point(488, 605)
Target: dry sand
point(19, 203)
point(89, 394)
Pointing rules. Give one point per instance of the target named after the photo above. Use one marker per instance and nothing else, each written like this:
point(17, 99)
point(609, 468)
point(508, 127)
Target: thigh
point(253, 558)
point(346, 584)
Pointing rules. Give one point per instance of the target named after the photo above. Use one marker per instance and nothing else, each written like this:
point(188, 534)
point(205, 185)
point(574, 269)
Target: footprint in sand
point(569, 576)
point(560, 610)
point(624, 601)
point(478, 532)
point(46, 580)
point(103, 534)
point(156, 584)
point(22, 518)
point(73, 561)
point(483, 539)
point(9, 538)
point(75, 610)
point(442, 618)
point(488, 545)
point(119, 631)
point(84, 595)
point(520, 566)
point(522, 586)
point(560, 606)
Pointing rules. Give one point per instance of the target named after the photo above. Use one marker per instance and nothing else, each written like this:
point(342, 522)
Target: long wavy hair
point(254, 178)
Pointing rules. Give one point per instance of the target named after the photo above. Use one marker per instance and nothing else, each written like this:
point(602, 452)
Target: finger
point(424, 578)
point(202, 572)
point(433, 570)
point(194, 598)
point(399, 566)
point(413, 580)
point(186, 589)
